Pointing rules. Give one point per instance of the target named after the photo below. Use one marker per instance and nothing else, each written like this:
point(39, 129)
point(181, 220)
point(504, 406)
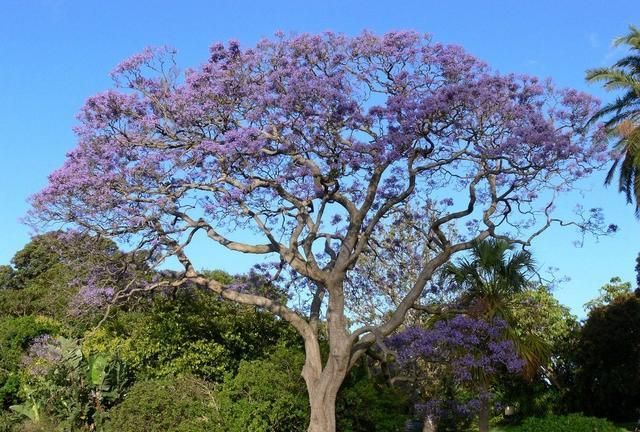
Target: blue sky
point(56, 53)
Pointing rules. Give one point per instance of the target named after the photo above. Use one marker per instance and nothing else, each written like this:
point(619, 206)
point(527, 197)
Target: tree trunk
point(429, 425)
point(323, 412)
point(323, 392)
point(483, 414)
point(483, 417)
point(323, 383)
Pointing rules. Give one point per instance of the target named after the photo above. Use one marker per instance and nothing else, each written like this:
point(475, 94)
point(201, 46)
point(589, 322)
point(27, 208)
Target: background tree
point(607, 382)
point(608, 293)
point(544, 389)
point(490, 280)
point(537, 312)
point(61, 274)
point(192, 333)
point(493, 279)
point(316, 142)
point(6, 276)
point(622, 116)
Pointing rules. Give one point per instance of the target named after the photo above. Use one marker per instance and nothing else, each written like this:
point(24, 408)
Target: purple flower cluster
point(468, 345)
point(90, 298)
point(471, 350)
point(43, 354)
point(439, 407)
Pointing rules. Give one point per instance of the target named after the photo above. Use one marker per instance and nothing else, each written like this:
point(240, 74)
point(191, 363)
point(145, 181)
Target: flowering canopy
point(300, 132)
point(471, 350)
point(467, 345)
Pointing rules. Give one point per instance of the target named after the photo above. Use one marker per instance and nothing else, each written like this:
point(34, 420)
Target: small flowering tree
point(469, 350)
point(316, 143)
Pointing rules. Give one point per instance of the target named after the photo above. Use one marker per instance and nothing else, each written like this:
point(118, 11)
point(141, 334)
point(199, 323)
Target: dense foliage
point(177, 360)
point(189, 332)
point(266, 395)
point(569, 423)
point(186, 360)
point(608, 354)
point(183, 404)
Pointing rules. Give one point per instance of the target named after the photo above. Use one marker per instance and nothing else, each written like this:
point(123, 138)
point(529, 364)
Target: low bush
point(266, 395)
point(568, 423)
point(171, 405)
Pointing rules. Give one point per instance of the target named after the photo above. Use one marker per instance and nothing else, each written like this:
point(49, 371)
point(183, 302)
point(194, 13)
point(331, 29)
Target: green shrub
point(8, 421)
point(190, 333)
point(61, 390)
point(267, 395)
point(15, 336)
point(568, 423)
point(366, 405)
point(183, 404)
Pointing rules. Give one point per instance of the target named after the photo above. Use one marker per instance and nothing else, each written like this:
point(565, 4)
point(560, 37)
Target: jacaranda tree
point(465, 350)
point(316, 143)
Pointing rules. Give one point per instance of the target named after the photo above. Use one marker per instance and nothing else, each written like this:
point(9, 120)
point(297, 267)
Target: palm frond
point(619, 107)
point(632, 38)
point(612, 172)
point(630, 62)
point(626, 173)
point(623, 111)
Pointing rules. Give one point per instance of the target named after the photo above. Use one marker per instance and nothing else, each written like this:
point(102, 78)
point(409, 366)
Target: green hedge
point(170, 405)
point(568, 423)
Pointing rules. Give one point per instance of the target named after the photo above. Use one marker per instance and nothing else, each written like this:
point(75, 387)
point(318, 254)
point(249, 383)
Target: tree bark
point(323, 383)
point(483, 414)
point(483, 417)
point(429, 425)
point(323, 391)
point(323, 411)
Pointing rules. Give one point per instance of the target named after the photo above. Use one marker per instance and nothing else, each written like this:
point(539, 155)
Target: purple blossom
point(43, 354)
point(90, 298)
point(469, 347)
point(467, 344)
point(336, 219)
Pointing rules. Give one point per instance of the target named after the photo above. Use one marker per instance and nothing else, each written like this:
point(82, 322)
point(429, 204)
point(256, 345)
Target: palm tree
point(492, 277)
point(622, 116)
